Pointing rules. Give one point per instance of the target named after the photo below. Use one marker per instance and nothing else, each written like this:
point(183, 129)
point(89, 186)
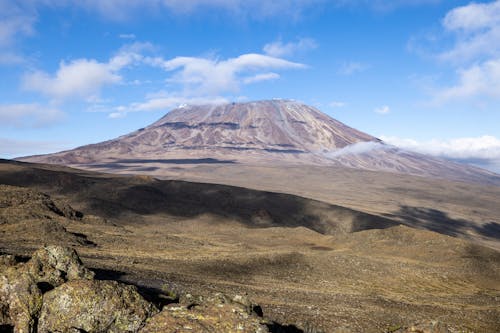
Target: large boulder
point(56, 265)
point(94, 306)
point(20, 299)
point(206, 315)
point(21, 285)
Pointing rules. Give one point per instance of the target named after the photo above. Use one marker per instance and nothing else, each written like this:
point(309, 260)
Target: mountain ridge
point(272, 132)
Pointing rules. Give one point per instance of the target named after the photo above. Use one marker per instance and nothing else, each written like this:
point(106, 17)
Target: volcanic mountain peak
point(271, 132)
point(276, 125)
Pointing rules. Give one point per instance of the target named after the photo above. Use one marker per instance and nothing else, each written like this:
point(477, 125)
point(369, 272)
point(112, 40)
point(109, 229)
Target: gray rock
point(217, 313)
point(20, 295)
point(94, 306)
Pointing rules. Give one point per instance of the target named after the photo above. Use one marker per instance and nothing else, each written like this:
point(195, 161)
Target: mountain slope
point(275, 132)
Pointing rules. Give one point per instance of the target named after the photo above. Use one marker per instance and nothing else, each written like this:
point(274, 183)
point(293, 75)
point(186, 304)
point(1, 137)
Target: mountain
point(273, 132)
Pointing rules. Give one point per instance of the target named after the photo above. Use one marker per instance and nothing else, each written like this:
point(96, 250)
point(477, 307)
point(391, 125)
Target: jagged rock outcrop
point(56, 265)
point(217, 313)
point(21, 284)
point(94, 306)
point(54, 292)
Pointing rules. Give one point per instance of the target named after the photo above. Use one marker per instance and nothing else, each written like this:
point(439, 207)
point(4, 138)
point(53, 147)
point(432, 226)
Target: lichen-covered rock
point(20, 299)
point(56, 265)
point(7, 260)
point(214, 314)
point(20, 294)
point(94, 306)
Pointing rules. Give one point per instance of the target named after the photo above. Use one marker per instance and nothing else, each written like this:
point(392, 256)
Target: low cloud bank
point(356, 148)
point(483, 151)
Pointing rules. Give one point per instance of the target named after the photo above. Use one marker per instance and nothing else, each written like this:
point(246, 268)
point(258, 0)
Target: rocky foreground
point(54, 292)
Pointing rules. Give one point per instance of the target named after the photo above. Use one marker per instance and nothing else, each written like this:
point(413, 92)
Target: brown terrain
point(312, 266)
point(328, 229)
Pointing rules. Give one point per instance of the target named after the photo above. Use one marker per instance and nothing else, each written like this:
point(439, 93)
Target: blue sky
point(420, 74)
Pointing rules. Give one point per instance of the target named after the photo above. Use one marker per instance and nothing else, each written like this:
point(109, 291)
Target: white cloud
point(10, 58)
point(190, 77)
point(473, 17)
point(164, 103)
point(15, 20)
point(126, 36)
point(475, 53)
point(477, 30)
point(382, 110)
point(10, 148)
point(116, 115)
point(483, 151)
point(481, 79)
point(261, 77)
point(355, 148)
point(337, 104)
point(28, 115)
point(83, 77)
point(204, 76)
point(352, 67)
point(280, 49)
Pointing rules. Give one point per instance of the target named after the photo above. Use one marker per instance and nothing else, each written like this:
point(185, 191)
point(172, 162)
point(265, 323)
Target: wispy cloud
point(164, 103)
point(385, 5)
point(193, 79)
point(255, 9)
point(17, 20)
point(337, 104)
point(483, 151)
point(482, 79)
point(382, 110)
point(209, 76)
point(474, 54)
point(477, 30)
point(280, 49)
point(355, 149)
point(28, 115)
point(352, 67)
point(126, 36)
point(261, 77)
